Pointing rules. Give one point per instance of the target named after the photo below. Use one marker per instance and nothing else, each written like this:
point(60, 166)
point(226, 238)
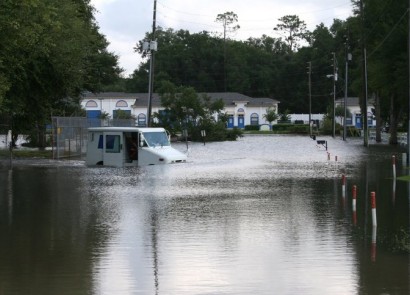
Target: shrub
point(252, 127)
point(299, 129)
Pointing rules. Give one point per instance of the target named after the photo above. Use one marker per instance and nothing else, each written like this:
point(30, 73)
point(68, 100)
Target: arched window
point(241, 111)
point(91, 104)
point(121, 103)
point(254, 119)
point(142, 119)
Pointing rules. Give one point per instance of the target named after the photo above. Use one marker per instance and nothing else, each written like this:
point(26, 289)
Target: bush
point(281, 127)
point(252, 127)
point(299, 129)
point(290, 128)
point(233, 134)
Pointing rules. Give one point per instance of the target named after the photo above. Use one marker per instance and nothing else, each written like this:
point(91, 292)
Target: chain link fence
point(69, 134)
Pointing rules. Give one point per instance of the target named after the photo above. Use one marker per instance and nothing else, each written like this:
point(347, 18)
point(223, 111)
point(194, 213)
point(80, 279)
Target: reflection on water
point(263, 215)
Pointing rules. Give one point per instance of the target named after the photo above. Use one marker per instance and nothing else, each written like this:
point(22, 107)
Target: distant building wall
point(305, 117)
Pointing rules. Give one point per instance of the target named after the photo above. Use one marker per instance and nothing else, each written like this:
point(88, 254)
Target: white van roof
point(126, 129)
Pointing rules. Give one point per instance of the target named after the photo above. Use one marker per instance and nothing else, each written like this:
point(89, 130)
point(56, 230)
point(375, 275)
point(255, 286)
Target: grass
point(404, 178)
point(26, 153)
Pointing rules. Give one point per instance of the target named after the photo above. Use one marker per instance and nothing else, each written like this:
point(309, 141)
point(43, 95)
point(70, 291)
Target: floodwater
point(261, 215)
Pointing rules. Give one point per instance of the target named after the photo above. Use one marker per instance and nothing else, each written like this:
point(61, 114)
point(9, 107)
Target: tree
point(294, 30)
point(185, 109)
point(49, 51)
point(229, 22)
point(285, 116)
point(271, 116)
point(383, 27)
point(340, 113)
point(267, 67)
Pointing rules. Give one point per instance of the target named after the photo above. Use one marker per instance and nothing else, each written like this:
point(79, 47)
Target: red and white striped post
point(373, 203)
point(354, 197)
point(393, 159)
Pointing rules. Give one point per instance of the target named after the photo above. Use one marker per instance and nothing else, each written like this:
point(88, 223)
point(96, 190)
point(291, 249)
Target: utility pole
point(152, 49)
point(364, 76)
point(408, 115)
point(348, 57)
point(334, 95)
point(310, 97)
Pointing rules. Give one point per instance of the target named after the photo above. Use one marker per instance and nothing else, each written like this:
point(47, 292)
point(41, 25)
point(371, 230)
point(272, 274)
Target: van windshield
point(156, 138)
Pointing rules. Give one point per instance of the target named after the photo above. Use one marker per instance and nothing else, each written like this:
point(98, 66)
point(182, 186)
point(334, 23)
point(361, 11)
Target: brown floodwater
point(261, 215)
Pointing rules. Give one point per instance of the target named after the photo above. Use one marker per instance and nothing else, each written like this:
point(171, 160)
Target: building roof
point(141, 99)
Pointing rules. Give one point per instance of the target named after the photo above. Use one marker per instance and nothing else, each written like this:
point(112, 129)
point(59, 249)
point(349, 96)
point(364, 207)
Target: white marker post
point(393, 158)
point(354, 196)
point(343, 186)
point(373, 203)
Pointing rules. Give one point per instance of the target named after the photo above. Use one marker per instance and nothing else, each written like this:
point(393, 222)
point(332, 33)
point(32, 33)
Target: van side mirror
point(142, 139)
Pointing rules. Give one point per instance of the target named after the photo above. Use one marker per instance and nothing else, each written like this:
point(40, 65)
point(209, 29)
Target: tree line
point(52, 51)
point(278, 67)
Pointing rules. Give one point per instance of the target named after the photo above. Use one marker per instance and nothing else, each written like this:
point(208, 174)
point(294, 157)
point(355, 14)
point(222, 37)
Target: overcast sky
point(125, 22)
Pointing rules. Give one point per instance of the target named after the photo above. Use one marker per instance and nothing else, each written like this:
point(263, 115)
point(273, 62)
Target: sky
point(125, 22)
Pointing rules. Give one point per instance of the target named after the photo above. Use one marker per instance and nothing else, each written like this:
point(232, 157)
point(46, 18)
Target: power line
point(206, 25)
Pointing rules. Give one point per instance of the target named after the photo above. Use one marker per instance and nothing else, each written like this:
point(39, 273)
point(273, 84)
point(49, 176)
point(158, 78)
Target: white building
point(241, 109)
point(354, 107)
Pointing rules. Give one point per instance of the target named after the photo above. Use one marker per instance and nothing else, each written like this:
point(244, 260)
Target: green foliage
point(187, 110)
point(327, 127)
point(290, 128)
point(270, 115)
point(340, 111)
point(104, 115)
point(49, 51)
point(228, 21)
point(285, 116)
point(294, 30)
point(281, 127)
point(299, 129)
point(276, 67)
point(122, 115)
point(252, 127)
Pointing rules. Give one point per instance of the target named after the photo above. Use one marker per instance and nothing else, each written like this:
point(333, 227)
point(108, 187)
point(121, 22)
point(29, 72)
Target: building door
point(241, 122)
point(113, 149)
point(358, 121)
point(230, 121)
point(93, 118)
point(369, 119)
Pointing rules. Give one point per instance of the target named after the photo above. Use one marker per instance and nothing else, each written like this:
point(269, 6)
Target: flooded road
point(262, 215)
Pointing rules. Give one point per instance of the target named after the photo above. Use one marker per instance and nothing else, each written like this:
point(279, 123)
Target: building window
point(121, 114)
point(142, 119)
point(241, 111)
point(91, 104)
point(121, 103)
point(254, 119)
